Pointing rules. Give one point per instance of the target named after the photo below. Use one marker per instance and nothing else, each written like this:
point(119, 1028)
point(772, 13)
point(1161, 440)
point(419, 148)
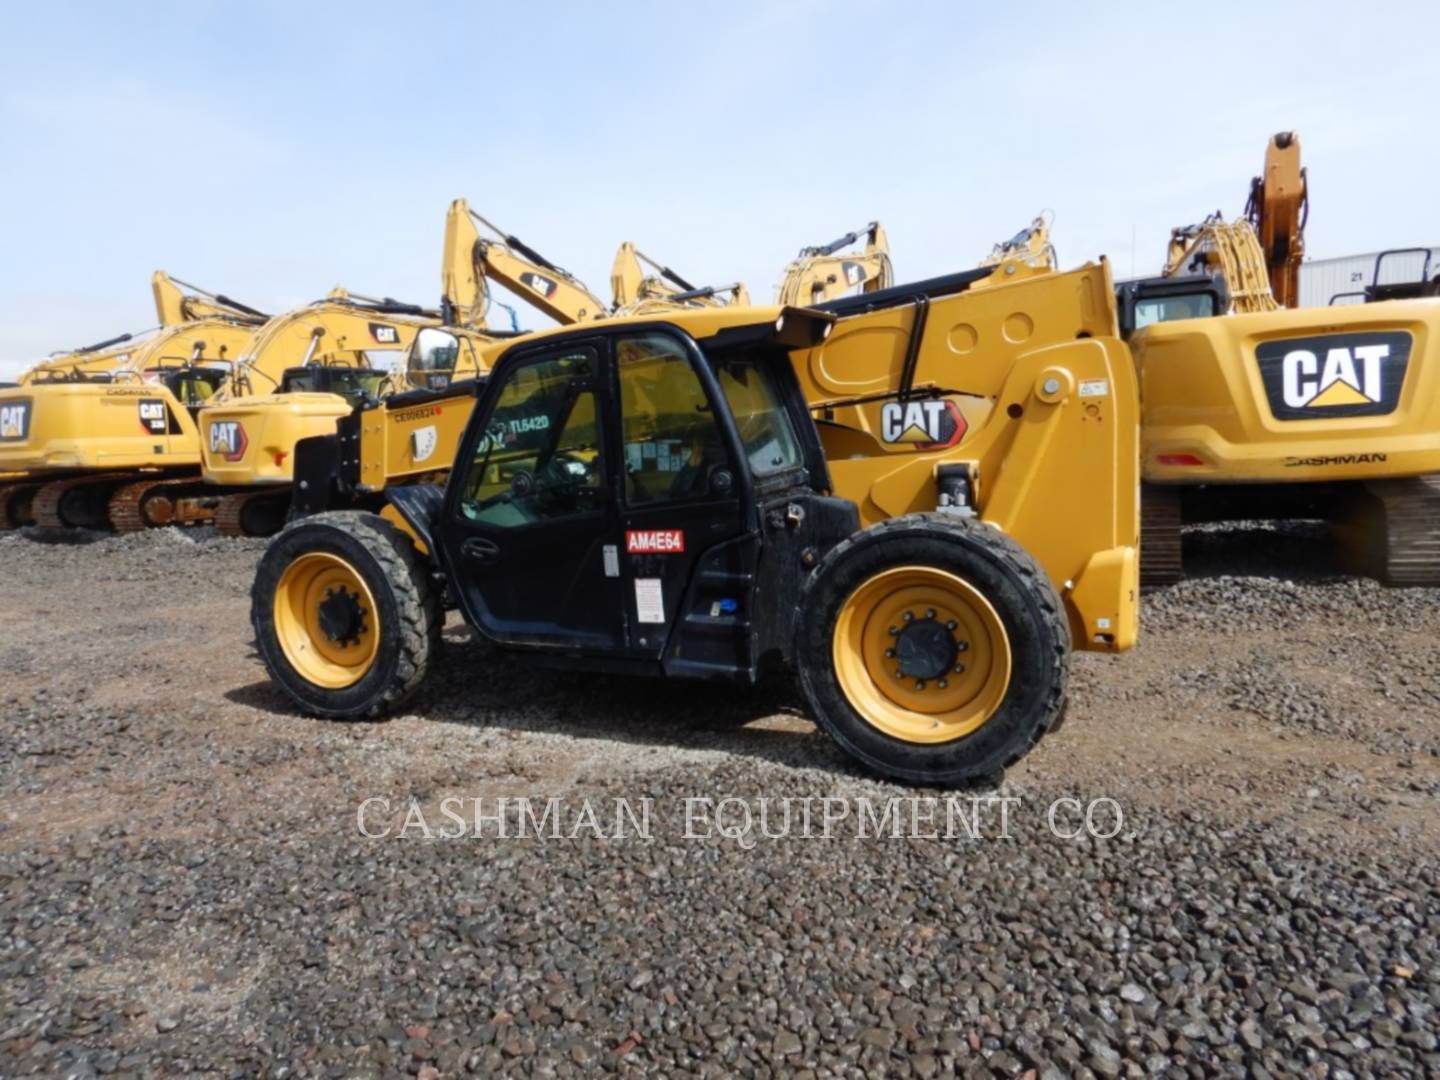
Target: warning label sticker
point(649, 600)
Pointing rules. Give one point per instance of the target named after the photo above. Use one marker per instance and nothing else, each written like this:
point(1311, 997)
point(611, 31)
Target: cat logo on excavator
point(1334, 374)
point(15, 420)
point(542, 285)
point(228, 439)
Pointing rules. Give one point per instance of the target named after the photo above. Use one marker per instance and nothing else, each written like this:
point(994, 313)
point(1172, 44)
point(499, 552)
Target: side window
point(672, 440)
point(540, 459)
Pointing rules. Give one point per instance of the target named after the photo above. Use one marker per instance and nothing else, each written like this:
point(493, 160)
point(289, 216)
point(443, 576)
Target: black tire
point(1026, 604)
point(410, 617)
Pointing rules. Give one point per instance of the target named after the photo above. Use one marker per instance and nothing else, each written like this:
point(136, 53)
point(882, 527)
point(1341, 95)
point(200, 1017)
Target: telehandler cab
point(665, 496)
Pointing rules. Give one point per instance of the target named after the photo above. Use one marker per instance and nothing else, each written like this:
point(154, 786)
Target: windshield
point(353, 384)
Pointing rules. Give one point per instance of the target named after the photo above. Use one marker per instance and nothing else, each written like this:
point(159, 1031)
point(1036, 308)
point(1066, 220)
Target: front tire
point(934, 650)
point(346, 616)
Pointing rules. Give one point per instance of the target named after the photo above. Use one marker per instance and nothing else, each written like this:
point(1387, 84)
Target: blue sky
point(272, 150)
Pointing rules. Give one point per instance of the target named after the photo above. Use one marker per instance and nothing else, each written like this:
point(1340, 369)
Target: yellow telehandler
point(920, 498)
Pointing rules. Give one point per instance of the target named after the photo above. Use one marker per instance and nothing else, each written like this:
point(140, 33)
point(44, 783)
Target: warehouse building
point(1345, 277)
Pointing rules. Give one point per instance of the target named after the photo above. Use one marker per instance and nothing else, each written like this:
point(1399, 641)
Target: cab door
point(682, 492)
point(530, 511)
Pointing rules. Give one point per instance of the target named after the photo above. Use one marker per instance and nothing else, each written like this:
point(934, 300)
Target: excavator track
point(251, 513)
point(15, 502)
point(1396, 532)
point(1161, 562)
point(151, 504)
point(76, 503)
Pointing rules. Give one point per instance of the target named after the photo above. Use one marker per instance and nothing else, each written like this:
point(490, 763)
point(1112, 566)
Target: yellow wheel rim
point(325, 620)
point(921, 654)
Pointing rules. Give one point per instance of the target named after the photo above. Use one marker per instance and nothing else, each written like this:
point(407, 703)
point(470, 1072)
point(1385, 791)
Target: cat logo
point(423, 442)
point(1334, 375)
point(542, 285)
point(228, 440)
point(384, 335)
point(154, 419)
point(854, 272)
point(926, 425)
point(15, 420)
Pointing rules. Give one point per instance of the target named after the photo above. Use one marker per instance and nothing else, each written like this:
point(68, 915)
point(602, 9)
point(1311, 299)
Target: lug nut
point(943, 683)
point(951, 625)
point(894, 630)
point(929, 613)
point(962, 646)
point(959, 669)
point(909, 616)
point(919, 684)
point(889, 654)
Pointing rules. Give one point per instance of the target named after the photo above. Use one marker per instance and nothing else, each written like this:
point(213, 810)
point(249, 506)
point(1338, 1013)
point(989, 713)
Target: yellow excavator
point(636, 292)
point(824, 273)
point(1270, 413)
point(123, 449)
point(919, 498)
point(79, 428)
point(173, 307)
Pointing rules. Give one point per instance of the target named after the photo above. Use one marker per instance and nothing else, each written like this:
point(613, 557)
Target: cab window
point(764, 425)
point(539, 459)
point(1170, 308)
point(672, 441)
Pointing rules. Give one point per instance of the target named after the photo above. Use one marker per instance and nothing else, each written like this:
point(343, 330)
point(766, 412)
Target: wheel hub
point(926, 649)
point(342, 619)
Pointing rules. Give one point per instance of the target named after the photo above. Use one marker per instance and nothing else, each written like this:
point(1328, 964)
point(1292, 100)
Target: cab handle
point(478, 549)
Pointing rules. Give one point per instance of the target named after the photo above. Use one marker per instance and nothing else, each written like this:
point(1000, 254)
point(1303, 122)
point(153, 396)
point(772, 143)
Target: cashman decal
point(927, 425)
point(423, 442)
point(228, 439)
point(384, 335)
point(15, 420)
point(1334, 375)
point(655, 541)
point(535, 282)
point(153, 417)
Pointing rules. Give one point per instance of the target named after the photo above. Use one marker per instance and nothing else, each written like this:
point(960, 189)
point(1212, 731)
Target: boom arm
point(636, 292)
point(1278, 207)
point(471, 258)
point(818, 273)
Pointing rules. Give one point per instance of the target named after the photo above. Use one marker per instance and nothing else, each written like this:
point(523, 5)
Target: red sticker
point(654, 541)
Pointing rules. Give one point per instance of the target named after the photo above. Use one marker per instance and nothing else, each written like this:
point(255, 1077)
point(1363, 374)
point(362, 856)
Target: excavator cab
point(1166, 299)
point(192, 386)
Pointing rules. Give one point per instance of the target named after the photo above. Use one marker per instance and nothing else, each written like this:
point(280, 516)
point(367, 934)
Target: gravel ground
point(184, 889)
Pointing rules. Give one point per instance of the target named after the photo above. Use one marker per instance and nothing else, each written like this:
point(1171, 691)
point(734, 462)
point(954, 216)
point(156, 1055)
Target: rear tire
point(377, 660)
point(954, 596)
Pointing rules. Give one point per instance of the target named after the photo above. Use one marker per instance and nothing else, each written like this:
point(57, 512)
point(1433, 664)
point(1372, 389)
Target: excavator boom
point(1277, 209)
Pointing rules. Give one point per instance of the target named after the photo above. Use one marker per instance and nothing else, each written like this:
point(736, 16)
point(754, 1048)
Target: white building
point(1323, 279)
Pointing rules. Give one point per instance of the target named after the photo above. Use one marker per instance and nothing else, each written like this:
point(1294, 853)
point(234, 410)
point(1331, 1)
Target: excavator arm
point(472, 258)
point(1278, 207)
point(821, 273)
point(638, 293)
